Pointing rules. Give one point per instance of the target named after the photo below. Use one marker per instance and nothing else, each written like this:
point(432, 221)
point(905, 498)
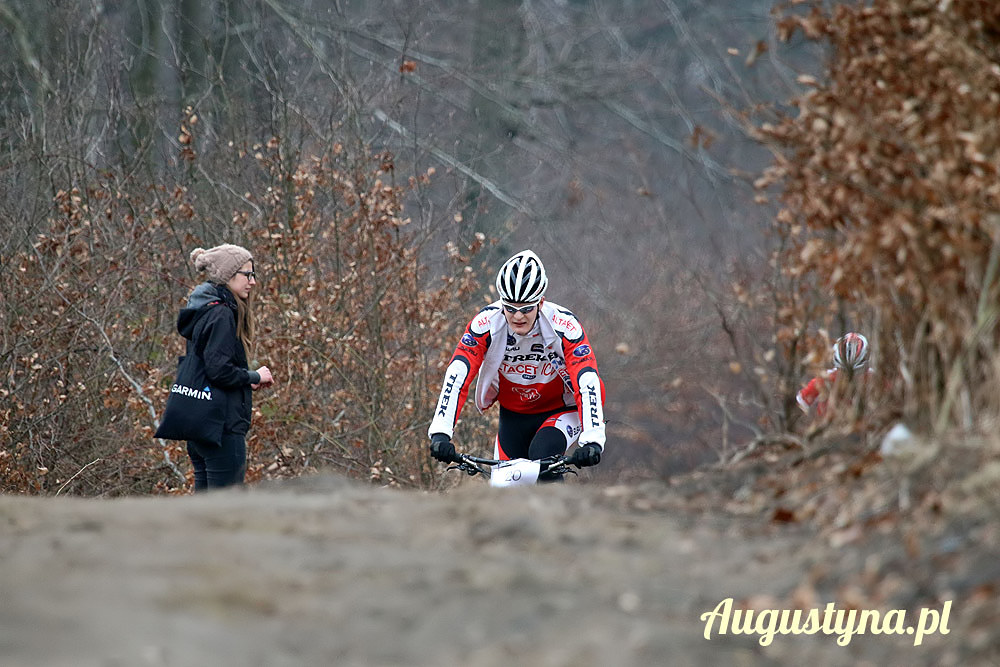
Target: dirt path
point(323, 571)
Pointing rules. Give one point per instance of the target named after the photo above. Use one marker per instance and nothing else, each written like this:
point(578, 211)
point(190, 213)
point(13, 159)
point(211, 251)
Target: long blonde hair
point(245, 324)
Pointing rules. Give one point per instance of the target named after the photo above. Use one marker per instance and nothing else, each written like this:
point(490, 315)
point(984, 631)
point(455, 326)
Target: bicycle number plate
point(517, 472)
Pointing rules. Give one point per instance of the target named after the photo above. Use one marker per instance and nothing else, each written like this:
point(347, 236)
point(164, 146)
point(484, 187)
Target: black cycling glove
point(442, 449)
point(587, 455)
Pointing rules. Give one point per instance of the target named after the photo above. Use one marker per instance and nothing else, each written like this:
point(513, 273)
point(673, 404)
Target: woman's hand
point(266, 379)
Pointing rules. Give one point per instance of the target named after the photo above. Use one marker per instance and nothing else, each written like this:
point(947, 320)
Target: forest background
point(717, 190)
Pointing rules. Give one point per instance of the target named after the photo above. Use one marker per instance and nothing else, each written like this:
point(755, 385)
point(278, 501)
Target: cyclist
point(532, 357)
point(850, 357)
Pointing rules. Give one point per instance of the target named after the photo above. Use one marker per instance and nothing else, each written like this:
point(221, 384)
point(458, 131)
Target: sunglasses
point(251, 275)
point(524, 310)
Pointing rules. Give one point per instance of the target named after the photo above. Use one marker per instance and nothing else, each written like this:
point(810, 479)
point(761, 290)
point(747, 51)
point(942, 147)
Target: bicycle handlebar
point(556, 465)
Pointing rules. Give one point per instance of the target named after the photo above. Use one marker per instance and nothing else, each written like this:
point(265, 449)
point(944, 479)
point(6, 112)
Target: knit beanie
point(221, 262)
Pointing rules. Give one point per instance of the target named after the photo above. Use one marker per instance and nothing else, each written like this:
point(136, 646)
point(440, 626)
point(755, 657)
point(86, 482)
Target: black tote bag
point(194, 410)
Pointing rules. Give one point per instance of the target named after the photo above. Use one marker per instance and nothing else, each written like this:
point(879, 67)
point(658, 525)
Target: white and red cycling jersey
point(551, 367)
point(816, 393)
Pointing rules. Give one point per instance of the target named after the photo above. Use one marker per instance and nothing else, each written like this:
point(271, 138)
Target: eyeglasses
point(524, 310)
point(251, 275)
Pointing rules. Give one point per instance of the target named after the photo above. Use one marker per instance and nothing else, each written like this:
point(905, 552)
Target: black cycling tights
point(524, 436)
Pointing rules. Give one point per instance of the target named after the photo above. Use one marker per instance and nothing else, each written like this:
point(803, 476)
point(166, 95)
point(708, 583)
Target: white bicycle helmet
point(522, 279)
point(850, 351)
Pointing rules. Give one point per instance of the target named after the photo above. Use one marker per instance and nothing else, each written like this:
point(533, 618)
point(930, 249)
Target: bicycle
point(513, 472)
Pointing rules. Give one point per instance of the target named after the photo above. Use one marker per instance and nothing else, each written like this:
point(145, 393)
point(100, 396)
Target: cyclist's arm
point(807, 395)
point(458, 376)
point(588, 388)
point(814, 389)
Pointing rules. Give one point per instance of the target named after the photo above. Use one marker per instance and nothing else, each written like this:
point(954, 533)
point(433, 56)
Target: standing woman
point(218, 325)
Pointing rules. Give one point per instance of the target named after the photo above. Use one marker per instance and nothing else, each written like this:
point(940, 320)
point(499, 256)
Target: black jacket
point(208, 322)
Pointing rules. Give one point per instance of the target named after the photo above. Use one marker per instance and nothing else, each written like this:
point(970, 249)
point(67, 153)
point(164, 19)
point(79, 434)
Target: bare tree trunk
point(497, 50)
point(194, 27)
point(151, 78)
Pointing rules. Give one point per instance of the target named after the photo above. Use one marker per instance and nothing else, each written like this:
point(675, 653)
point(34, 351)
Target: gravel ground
point(324, 571)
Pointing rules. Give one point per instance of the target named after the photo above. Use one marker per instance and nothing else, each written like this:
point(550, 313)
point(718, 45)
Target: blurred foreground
point(323, 570)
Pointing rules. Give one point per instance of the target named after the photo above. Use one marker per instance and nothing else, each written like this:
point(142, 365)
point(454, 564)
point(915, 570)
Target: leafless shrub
point(352, 324)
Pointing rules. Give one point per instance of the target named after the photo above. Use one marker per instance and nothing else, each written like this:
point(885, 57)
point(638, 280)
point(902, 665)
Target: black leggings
point(522, 436)
point(217, 467)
